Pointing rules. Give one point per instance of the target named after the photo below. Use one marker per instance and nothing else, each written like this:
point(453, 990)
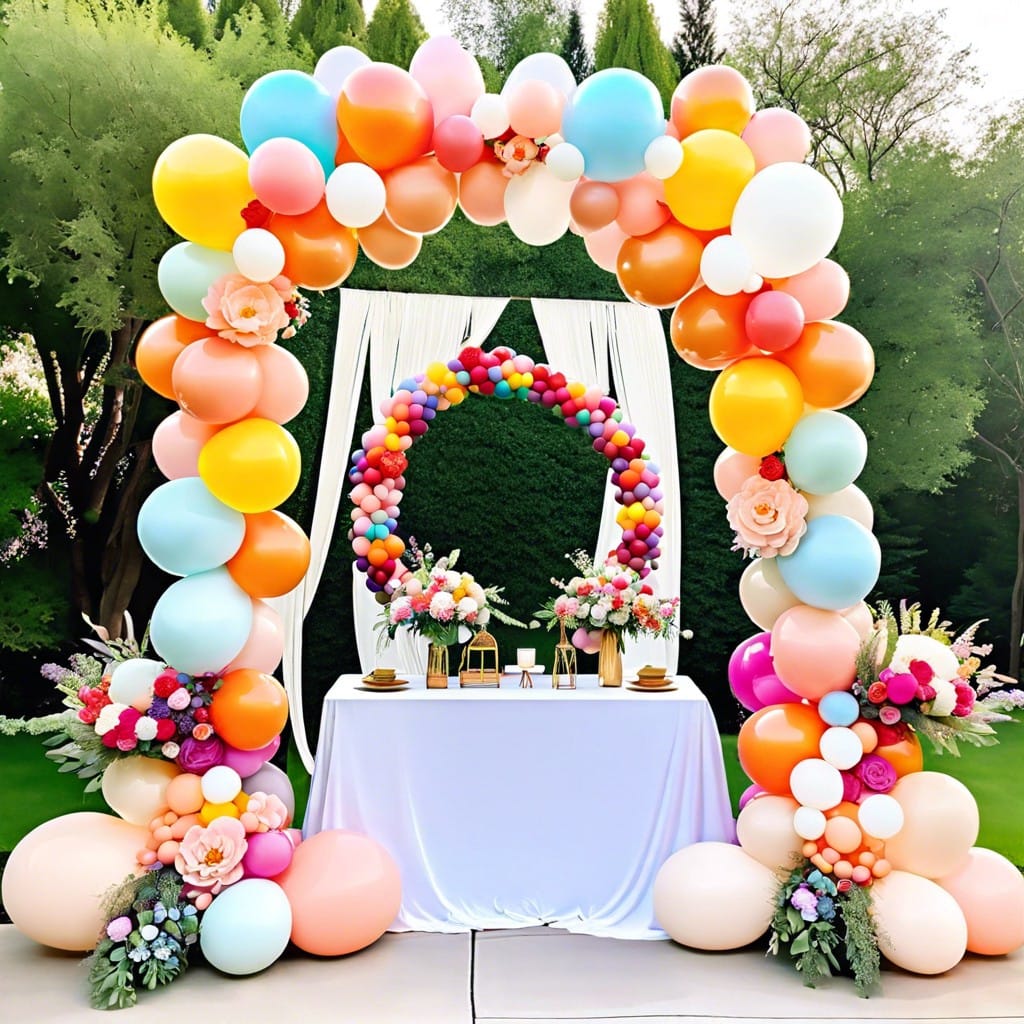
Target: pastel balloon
point(247, 926)
point(159, 346)
point(272, 557)
point(355, 195)
point(286, 176)
point(809, 822)
point(717, 167)
point(774, 320)
point(131, 682)
point(764, 829)
point(732, 469)
point(841, 748)
point(725, 267)
point(659, 268)
point(200, 186)
point(534, 108)
point(836, 564)
point(754, 405)
point(267, 855)
point(774, 740)
point(825, 452)
point(63, 908)
point(185, 274)
point(319, 252)
point(344, 890)
point(642, 206)
point(177, 442)
point(850, 501)
point(490, 115)
point(335, 65)
point(776, 135)
point(880, 816)
point(822, 291)
point(692, 883)
point(919, 925)
point(816, 783)
point(769, 689)
point(537, 206)
point(258, 254)
point(389, 246)
point(989, 890)
point(594, 204)
point(249, 709)
point(764, 595)
point(184, 529)
point(270, 779)
point(565, 162)
point(482, 193)
point(603, 246)
point(449, 75)
point(184, 793)
point(707, 329)
point(216, 380)
point(663, 157)
point(833, 362)
point(248, 762)
point(715, 96)
point(201, 622)
point(421, 195)
point(136, 787)
point(839, 708)
point(220, 784)
point(285, 384)
point(788, 217)
point(543, 67)
point(861, 618)
point(458, 143)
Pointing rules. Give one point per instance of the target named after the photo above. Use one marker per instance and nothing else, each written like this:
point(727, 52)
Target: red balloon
point(458, 143)
point(774, 321)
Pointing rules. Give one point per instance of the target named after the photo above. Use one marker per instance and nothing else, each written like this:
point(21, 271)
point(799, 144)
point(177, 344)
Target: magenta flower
point(876, 773)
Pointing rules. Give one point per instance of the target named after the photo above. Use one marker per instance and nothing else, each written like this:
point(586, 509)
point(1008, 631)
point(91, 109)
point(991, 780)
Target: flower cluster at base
point(920, 676)
point(815, 916)
point(607, 596)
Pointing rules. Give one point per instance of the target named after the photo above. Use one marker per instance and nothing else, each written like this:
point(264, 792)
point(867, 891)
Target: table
point(512, 807)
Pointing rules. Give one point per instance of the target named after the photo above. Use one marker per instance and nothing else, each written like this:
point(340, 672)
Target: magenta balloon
point(286, 176)
point(752, 791)
point(267, 854)
point(752, 658)
point(770, 689)
point(458, 145)
point(249, 762)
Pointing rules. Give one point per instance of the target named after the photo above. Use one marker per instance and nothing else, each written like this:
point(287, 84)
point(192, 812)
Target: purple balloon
point(595, 430)
point(641, 490)
point(249, 762)
point(770, 689)
point(620, 465)
point(270, 779)
point(750, 660)
point(753, 790)
point(267, 854)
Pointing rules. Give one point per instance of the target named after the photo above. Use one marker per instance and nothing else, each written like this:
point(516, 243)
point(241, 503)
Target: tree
point(867, 77)
point(628, 37)
point(230, 11)
point(575, 51)
point(189, 19)
point(694, 45)
point(324, 24)
point(395, 32)
point(255, 47)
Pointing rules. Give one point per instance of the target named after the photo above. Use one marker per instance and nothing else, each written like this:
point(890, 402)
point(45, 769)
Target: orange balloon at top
point(318, 251)
point(775, 739)
point(833, 362)
point(713, 97)
point(659, 268)
point(385, 115)
point(708, 329)
point(159, 346)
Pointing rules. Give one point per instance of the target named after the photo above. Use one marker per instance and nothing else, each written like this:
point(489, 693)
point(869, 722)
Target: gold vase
point(609, 660)
point(437, 667)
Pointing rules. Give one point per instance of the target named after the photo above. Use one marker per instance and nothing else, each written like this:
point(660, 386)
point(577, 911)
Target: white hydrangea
point(945, 699)
point(467, 608)
point(598, 613)
point(108, 717)
point(914, 647)
point(452, 579)
point(442, 606)
point(620, 617)
point(145, 728)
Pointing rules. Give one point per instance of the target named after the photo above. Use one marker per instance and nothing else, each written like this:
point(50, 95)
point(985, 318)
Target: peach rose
point(768, 517)
point(245, 312)
point(269, 810)
point(210, 858)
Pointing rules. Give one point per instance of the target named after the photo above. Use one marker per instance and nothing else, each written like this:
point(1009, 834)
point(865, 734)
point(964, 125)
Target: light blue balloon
point(247, 927)
point(835, 565)
point(291, 105)
point(839, 708)
point(825, 452)
point(201, 622)
point(611, 119)
point(184, 529)
point(185, 274)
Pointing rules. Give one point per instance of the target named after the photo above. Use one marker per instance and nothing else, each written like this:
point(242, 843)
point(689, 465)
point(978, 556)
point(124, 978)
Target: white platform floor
point(528, 976)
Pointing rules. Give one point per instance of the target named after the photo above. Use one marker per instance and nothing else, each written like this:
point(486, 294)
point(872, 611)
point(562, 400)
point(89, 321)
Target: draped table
point(512, 807)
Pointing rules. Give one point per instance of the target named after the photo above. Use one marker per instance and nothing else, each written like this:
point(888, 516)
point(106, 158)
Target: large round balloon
point(764, 829)
point(159, 346)
point(537, 206)
point(272, 557)
point(708, 329)
point(716, 168)
point(319, 252)
point(449, 75)
point(185, 274)
point(764, 595)
point(285, 384)
point(715, 96)
point(659, 268)
point(822, 291)
point(774, 740)
point(421, 195)
point(136, 787)
point(264, 647)
point(850, 501)
point(833, 362)
point(57, 876)
point(776, 135)
point(754, 405)
point(249, 709)
point(286, 176)
point(389, 246)
point(177, 442)
point(217, 381)
point(814, 651)
point(247, 926)
point(989, 890)
point(482, 193)
point(825, 452)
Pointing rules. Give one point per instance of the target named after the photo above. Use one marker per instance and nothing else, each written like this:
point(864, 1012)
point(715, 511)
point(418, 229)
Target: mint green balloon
point(185, 274)
point(825, 452)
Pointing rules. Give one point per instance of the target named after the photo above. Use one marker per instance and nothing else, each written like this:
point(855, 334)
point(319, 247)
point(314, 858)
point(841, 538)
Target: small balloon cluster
point(378, 466)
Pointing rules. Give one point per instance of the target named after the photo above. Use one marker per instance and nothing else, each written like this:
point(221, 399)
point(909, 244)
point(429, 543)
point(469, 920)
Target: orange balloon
point(775, 739)
point(906, 756)
point(388, 246)
point(594, 204)
point(642, 206)
point(160, 344)
point(482, 193)
point(185, 794)
point(344, 153)
point(708, 329)
point(421, 196)
point(249, 709)
point(659, 268)
point(385, 115)
point(274, 555)
point(319, 252)
point(833, 362)
point(712, 97)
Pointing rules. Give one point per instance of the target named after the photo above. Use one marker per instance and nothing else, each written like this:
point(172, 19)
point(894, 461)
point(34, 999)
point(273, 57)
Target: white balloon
point(221, 784)
point(809, 823)
point(754, 284)
point(815, 783)
point(763, 593)
point(355, 195)
point(490, 115)
point(131, 682)
point(725, 265)
point(258, 254)
point(663, 157)
point(850, 501)
point(336, 65)
point(880, 816)
point(789, 217)
point(565, 162)
point(537, 206)
point(841, 747)
point(545, 67)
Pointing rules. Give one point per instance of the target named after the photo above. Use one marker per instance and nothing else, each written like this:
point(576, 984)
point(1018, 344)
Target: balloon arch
point(712, 213)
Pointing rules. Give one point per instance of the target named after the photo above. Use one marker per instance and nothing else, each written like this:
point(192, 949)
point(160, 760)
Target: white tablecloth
point(511, 807)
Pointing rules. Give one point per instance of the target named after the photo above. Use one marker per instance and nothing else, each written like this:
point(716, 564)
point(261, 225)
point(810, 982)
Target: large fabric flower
point(244, 311)
point(913, 647)
point(768, 517)
point(269, 810)
point(210, 858)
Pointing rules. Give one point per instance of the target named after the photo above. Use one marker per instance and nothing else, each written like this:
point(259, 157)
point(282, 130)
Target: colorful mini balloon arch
point(378, 467)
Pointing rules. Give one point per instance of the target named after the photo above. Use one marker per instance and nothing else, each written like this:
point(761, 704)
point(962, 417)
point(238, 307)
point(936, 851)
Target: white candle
point(526, 657)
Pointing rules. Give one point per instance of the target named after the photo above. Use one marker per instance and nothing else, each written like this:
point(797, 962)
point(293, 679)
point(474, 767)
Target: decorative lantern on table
point(563, 675)
point(474, 669)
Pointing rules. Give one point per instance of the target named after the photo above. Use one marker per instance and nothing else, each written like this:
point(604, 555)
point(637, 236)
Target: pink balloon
point(732, 470)
point(814, 651)
point(449, 76)
point(267, 854)
point(216, 380)
point(752, 658)
point(750, 793)
point(249, 762)
point(603, 246)
point(177, 442)
point(990, 892)
point(458, 143)
point(776, 136)
point(265, 647)
point(285, 384)
point(642, 207)
point(822, 291)
point(770, 689)
point(774, 321)
point(286, 176)
point(534, 108)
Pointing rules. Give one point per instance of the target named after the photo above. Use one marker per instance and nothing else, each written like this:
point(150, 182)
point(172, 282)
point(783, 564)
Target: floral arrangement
point(252, 313)
point(607, 596)
point(768, 513)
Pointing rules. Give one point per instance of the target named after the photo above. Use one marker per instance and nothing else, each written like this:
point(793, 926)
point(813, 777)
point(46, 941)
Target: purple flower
point(119, 929)
point(876, 773)
point(889, 715)
point(198, 756)
point(55, 673)
point(806, 902)
point(159, 709)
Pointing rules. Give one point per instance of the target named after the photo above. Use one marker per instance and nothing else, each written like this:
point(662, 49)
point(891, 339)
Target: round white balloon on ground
point(537, 206)
point(355, 195)
point(258, 254)
point(247, 927)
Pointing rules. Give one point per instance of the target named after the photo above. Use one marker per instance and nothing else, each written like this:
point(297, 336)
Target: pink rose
point(244, 311)
point(768, 517)
point(210, 858)
point(889, 715)
point(922, 672)
point(269, 810)
point(876, 773)
point(964, 700)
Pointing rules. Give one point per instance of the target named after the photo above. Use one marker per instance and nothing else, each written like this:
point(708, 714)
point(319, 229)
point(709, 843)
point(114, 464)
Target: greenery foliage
point(575, 51)
point(324, 24)
point(395, 32)
point(189, 19)
point(229, 14)
point(628, 36)
point(694, 45)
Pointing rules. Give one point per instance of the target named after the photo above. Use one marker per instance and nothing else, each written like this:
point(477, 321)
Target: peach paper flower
point(768, 517)
point(210, 858)
point(246, 312)
point(269, 810)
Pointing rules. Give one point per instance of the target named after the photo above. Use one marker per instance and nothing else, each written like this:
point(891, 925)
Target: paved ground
point(529, 976)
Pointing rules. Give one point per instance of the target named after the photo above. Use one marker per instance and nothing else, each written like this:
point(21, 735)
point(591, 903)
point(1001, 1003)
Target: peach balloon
point(177, 442)
point(421, 196)
point(920, 927)
point(482, 193)
point(594, 205)
point(185, 794)
point(57, 877)
point(217, 381)
point(714, 896)
point(642, 207)
point(774, 740)
point(715, 96)
point(285, 384)
point(273, 557)
point(708, 329)
point(603, 246)
point(860, 617)
point(843, 834)
point(866, 734)
point(989, 890)
point(814, 651)
point(344, 890)
point(776, 135)
point(534, 108)
point(319, 252)
point(763, 593)
point(940, 824)
point(388, 246)
point(822, 291)
point(264, 647)
point(732, 470)
point(159, 346)
point(833, 362)
point(659, 268)
point(136, 787)
point(764, 829)
point(850, 501)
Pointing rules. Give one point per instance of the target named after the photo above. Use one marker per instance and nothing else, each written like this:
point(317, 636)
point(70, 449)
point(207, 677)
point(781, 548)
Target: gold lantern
point(479, 665)
point(563, 674)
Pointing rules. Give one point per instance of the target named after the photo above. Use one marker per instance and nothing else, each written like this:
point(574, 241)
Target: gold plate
point(650, 689)
point(370, 681)
point(404, 685)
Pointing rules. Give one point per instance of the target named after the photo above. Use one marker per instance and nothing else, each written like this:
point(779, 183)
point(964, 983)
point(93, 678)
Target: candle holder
point(526, 659)
point(563, 674)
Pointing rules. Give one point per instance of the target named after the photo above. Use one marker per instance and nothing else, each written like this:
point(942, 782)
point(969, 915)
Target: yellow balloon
point(201, 185)
point(252, 466)
point(755, 404)
point(716, 168)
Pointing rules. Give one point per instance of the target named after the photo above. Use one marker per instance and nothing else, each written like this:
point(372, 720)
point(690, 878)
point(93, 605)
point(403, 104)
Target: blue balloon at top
point(611, 119)
point(291, 105)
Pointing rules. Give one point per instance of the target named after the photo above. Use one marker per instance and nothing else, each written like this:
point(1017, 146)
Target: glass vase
point(609, 660)
point(437, 667)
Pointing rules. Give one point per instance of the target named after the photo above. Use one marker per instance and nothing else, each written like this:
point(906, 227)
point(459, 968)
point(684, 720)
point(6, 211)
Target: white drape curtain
point(580, 339)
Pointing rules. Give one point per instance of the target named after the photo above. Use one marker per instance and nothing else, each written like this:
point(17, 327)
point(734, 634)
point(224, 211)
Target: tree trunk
point(1017, 606)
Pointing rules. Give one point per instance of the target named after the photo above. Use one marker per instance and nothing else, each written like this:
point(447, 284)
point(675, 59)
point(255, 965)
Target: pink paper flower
point(211, 858)
point(119, 929)
point(876, 773)
point(768, 517)
point(889, 715)
point(269, 810)
point(246, 312)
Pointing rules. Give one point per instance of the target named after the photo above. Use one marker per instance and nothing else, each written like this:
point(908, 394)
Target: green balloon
point(185, 274)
